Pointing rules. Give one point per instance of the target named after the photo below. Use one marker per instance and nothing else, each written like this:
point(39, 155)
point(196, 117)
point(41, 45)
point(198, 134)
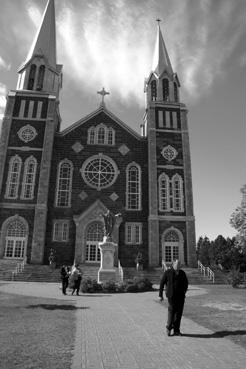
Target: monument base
point(107, 271)
point(106, 275)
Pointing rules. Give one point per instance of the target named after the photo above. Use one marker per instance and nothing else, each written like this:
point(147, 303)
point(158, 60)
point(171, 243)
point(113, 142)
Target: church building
point(56, 184)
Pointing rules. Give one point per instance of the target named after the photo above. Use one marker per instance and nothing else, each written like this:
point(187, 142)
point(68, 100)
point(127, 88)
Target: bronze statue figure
point(109, 222)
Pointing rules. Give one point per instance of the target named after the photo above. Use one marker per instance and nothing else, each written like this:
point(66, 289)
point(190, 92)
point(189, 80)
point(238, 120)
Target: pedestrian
point(176, 283)
point(64, 278)
point(76, 277)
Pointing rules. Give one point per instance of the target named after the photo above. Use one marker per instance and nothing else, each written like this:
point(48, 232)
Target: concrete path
point(127, 331)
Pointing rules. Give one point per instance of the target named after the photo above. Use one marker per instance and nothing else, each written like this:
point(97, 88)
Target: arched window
point(13, 177)
point(101, 135)
point(153, 90)
point(177, 191)
point(175, 91)
point(164, 201)
point(91, 136)
point(28, 183)
point(171, 246)
point(31, 79)
point(165, 89)
point(41, 72)
point(64, 184)
point(133, 185)
point(16, 235)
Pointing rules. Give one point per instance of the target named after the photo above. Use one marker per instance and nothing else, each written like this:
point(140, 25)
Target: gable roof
point(101, 109)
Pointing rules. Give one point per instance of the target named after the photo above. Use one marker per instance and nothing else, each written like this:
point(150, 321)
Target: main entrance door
point(94, 235)
point(170, 246)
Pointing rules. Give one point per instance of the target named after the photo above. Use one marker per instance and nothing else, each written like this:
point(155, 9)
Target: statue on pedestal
point(109, 222)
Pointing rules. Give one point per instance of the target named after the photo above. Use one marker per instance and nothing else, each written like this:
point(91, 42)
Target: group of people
point(71, 278)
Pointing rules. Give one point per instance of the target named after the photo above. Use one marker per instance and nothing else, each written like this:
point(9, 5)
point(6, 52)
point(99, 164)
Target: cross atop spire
point(45, 41)
point(161, 61)
point(103, 93)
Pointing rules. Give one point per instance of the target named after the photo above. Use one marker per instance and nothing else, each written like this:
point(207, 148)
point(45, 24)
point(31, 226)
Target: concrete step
point(7, 266)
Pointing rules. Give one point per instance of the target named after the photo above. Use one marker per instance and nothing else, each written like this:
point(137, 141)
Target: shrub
point(89, 285)
point(109, 286)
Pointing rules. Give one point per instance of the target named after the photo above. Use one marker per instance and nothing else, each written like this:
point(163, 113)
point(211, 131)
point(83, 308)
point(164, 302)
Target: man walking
point(176, 286)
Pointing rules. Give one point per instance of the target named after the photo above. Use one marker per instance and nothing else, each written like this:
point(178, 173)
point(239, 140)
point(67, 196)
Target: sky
point(110, 43)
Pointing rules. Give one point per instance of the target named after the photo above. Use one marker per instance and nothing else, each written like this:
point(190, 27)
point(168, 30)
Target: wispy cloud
point(4, 64)
point(3, 91)
point(111, 43)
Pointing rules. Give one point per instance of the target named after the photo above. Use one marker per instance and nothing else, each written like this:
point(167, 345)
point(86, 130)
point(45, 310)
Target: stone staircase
point(44, 273)
point(193, 275)
point(6, 268)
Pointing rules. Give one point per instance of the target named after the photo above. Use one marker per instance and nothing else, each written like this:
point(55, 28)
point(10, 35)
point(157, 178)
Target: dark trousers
point(175, 311)
point(76, 286)
point(64, 285)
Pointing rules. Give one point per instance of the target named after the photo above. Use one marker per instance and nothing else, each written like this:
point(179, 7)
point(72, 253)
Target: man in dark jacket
point(176, 286)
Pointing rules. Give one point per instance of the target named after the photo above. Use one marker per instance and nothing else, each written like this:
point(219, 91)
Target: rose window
point(27, 133)
point(169, 153)
point(99, 171)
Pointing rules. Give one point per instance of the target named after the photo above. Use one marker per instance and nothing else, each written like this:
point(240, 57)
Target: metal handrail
point(205, 271)
point(19, 268)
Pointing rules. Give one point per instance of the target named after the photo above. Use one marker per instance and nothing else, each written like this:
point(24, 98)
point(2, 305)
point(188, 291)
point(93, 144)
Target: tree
point(203, 251)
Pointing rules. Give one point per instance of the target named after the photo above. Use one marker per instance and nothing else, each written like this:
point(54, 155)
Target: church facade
point(55, 184)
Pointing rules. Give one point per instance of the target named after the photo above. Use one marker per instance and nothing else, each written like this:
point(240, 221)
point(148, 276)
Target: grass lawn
point(222, 309)
point(36, 333)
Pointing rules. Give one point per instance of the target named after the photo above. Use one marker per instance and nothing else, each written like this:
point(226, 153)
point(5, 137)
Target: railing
point(120, 271)
point(205, 271)
point(19, 268)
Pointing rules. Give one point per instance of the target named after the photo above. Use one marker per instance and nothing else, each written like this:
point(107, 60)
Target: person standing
point(76, 277)
point(64, 278)
point(176, 283)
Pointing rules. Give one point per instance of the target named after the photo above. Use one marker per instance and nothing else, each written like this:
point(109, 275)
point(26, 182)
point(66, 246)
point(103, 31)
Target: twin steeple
point(40, 71)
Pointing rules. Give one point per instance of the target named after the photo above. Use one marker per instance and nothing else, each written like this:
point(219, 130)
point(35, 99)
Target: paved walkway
point(126, 331)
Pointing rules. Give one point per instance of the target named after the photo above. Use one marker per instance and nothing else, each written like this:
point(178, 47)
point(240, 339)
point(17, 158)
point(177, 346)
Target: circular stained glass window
point(99, 171)
point(27, 133)
point(169, 153)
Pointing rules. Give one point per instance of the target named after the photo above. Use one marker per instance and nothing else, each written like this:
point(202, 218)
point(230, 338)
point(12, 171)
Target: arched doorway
point(172, 246)
point(94, 235)
point(15, 239)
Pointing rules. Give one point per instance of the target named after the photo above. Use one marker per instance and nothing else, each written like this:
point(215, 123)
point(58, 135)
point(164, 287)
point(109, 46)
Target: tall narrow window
point(165, 88)
point(177, 192)
point(133, 185)
point(41, 72)
point(153, 90)
point(101, 135)
point(28, 183)
point(175, 91)
point(64, 184)
point(13, 177)
point(91, 136)
point(164, 204)
point(110, 136)
point(32, 75)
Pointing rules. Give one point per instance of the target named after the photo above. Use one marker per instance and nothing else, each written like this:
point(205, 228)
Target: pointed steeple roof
point(161, 61)
point(45, 40)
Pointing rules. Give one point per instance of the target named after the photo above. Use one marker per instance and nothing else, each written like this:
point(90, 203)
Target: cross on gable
point(103, 93)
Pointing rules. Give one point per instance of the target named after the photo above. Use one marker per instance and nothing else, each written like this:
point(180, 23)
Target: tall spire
point(161, 61)
point(45, 41)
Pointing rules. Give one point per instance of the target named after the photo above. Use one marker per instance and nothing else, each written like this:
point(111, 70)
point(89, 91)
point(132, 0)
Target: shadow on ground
point(219, 334)
point(57, 307)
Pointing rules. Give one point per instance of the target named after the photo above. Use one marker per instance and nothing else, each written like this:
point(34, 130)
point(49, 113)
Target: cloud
point(3, 91)
point(4, 64)
point(111, 43)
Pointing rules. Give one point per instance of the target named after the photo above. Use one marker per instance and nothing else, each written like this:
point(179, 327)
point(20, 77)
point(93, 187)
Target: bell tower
point(29, 125)
point(171, 224)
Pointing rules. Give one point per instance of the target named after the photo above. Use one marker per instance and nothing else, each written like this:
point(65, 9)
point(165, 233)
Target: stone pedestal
point(107, 271)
